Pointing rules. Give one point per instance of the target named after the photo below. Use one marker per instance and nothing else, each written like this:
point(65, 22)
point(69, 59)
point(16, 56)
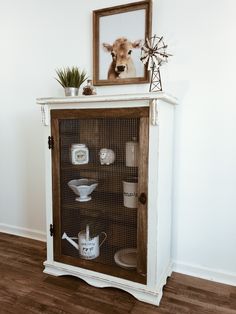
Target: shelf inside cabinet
point(114, 168)
point(109, 181)
point(103, 208)
point(98, 266)
point(101, 264)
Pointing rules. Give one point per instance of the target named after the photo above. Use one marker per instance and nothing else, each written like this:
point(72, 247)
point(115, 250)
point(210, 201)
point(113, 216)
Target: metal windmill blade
point(153, 55)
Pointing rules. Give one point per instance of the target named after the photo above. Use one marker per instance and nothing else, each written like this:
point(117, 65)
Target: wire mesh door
point(99, 169)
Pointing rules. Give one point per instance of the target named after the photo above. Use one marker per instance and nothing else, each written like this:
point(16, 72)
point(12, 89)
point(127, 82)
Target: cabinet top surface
point(109, 98)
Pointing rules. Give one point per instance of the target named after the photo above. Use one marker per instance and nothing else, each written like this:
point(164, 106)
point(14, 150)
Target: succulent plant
point(71, 77)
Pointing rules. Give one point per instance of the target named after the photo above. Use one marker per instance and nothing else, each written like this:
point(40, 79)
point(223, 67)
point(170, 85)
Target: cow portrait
point(122, 65)
point(119, 33)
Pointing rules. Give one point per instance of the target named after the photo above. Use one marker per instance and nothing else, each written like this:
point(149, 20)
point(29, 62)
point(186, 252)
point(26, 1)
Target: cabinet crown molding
point(109, 98)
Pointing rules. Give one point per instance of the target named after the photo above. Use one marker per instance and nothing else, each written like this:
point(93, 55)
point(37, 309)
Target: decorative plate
point(126, 258)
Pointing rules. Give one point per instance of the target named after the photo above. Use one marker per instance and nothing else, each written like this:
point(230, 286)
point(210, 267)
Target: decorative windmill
point(153, 54)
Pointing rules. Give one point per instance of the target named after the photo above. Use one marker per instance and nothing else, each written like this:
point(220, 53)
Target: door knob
point(142, 198)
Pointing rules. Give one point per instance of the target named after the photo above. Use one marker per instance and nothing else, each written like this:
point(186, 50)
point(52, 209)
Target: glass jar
point(79, 154)
point(89, 89)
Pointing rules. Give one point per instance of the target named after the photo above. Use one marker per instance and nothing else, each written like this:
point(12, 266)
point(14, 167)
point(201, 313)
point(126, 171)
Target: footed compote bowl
point(83, 188)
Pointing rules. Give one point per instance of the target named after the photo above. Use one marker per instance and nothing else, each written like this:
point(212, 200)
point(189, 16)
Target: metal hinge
point(51, 230)
point(50, 142)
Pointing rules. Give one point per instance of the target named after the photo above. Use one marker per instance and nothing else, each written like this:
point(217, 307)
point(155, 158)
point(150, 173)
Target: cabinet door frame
point(136, 112)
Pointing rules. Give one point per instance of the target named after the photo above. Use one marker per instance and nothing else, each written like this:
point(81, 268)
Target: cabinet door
point(100, 222)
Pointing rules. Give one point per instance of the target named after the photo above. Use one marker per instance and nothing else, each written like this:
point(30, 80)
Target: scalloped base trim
point(139, 291)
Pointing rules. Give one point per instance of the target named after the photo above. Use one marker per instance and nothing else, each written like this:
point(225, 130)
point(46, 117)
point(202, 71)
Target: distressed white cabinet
point(119, 235)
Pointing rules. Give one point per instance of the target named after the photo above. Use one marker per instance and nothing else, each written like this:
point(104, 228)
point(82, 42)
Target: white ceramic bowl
point(83, 188)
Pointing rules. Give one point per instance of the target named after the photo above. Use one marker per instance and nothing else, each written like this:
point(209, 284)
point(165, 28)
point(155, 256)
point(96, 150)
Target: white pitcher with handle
point(89, 248)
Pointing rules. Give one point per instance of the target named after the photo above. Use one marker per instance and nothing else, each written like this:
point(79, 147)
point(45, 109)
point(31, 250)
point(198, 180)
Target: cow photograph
point(122, 64)
point(119, 33)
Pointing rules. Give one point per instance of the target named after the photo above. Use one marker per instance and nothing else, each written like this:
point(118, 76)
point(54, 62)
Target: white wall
point(201, 35)
point(39, 36)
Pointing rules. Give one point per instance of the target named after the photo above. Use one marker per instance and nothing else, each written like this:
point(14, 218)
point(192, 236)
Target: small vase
point(71, 91)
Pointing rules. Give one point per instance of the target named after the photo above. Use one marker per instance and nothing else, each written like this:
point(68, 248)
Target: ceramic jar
point(131, 153)
point(79, 154)
point(130, 192)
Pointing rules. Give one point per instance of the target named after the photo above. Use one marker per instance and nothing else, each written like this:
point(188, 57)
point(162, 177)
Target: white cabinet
point(108, 220)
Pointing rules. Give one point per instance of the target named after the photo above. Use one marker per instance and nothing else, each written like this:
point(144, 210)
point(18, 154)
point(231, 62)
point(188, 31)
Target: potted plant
point(71, 79)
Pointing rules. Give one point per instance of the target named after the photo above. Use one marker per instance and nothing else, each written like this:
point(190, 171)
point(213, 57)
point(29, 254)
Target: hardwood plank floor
point(24, 288)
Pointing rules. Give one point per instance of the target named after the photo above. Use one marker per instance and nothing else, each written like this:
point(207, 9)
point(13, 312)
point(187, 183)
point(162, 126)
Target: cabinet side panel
point(164, 189)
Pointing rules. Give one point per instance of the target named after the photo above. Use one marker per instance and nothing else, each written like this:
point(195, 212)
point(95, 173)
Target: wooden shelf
point(99, 265)
point(117, 167)
point(104, 209)
point(109, 178)
point(107, 253)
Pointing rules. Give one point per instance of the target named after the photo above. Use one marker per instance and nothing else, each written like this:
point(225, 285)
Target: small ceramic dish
point(126, 258)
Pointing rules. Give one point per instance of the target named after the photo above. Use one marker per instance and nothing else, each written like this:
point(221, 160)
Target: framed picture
point(118, 34)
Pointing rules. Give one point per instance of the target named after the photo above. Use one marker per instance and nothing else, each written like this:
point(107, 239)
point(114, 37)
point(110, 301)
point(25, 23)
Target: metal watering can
point(89, 248)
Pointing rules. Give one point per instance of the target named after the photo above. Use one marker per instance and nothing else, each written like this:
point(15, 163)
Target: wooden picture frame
point(118, 34)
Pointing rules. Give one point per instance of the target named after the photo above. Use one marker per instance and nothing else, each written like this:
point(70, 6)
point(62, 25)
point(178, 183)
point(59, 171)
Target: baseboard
point(23, 232)
point(205, 273)
point(179, 267)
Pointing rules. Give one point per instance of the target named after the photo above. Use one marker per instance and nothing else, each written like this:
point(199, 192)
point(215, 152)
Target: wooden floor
point(25, 289)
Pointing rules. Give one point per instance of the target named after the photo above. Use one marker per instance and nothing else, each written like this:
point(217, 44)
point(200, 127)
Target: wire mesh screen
point(98, 177)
